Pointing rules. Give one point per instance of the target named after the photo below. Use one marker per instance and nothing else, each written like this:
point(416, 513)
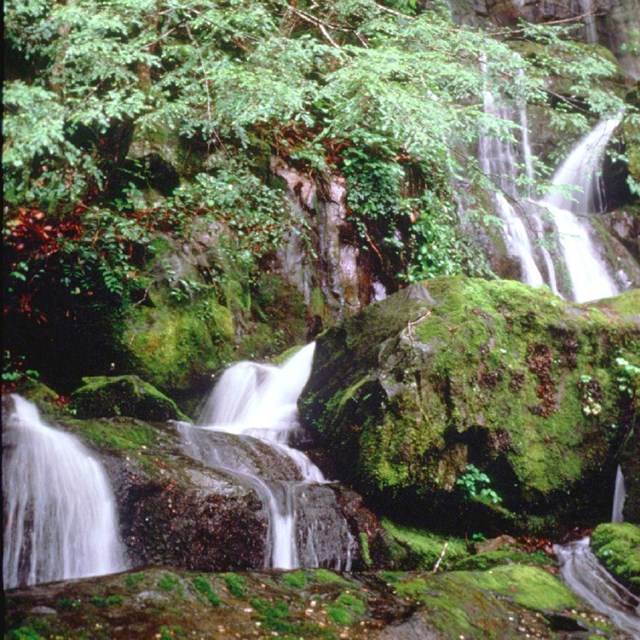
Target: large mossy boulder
point(110, 396)
point(478, 405)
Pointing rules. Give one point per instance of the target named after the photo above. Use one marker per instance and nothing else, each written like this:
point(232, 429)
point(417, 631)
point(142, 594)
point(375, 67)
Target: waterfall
point(244, 431)
point(619, 495)
point(59, 510)
point(589, 276)
point(583, 573)
point(497, 160)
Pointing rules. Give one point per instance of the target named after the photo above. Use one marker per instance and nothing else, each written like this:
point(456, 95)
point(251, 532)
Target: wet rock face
point(339, 272)
point(476, 404)
point(173, 509)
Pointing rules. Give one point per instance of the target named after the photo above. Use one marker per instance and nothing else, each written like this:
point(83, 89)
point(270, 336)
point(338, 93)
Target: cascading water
point(245, 426)
point(568, 214)
point(589, 276)
point(497, 160)
point(59, 510)
point(583, 573)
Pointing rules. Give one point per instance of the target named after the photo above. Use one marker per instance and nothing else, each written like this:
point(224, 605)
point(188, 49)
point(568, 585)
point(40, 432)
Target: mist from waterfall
point(256, 406)
point(59, 510)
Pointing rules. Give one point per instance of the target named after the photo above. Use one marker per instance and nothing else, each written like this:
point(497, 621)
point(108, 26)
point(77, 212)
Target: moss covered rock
point(617, 546)
point(506, 603)
point(483, 406)
point(108, 396)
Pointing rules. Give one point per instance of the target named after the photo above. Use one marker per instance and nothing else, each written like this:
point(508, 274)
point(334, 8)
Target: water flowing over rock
point(582, 572)
point(500, 160)
point(581, 171)
point(59, 509)
point(254, 405)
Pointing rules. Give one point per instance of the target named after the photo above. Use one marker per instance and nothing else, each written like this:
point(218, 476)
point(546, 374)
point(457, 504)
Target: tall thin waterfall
point(580, 172)
point(619, 495)
point(59, 510)
point(255, 405)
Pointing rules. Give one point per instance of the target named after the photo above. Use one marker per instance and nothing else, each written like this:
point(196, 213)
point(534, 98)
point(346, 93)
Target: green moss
point(171, 344)
point(118, 436)
point(340, 615)
point(484, 604)
point(203, 586)
point(132, 580)
point(423, 548)
point(529, 586)
point(171, 583)
point(625, 305)
point(172, 632)
point(108, 396)
point(347, 609)
point(24, 633)
point(461, 371)
point(326, 576)
point(489, 559)
point(617, 546)
point(363, 539)
point(108, 601)
point(295, 579)
point(235, 584)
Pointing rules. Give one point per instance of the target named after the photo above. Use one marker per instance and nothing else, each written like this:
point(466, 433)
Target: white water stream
point(59, 510)
point(580, 172)
point(582, 572)
point(619, 496)
point(257, 401)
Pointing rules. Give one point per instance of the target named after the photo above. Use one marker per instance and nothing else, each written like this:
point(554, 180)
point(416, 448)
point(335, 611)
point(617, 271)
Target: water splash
point(59, 509)
point(244, 430)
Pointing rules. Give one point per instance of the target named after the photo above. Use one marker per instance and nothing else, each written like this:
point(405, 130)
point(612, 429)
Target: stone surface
point(129, 395)
point(457, 372)
point(507, 602)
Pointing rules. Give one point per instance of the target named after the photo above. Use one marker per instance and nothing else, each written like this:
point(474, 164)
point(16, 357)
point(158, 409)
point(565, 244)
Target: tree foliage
point(373, 90)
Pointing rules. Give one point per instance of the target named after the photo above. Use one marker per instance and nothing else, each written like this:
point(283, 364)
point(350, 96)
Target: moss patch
point(617, 546)
point(418, 549)
point(108, 396)
point(458, 372)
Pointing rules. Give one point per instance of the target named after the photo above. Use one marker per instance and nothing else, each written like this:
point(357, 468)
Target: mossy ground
point(502, 603)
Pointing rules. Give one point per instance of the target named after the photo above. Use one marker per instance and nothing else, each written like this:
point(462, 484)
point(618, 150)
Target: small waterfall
point(59, 510)
point(245, 427)
point(581, 170)
point(583, 573)
point(498, 161)
point(619, 495)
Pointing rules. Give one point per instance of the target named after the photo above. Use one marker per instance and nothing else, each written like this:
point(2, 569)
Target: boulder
point(129, 395)
point(481, 406)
